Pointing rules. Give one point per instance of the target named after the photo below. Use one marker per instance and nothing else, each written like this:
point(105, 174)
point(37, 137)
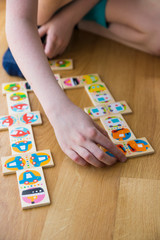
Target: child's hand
point(78, 137)
point(58, 34)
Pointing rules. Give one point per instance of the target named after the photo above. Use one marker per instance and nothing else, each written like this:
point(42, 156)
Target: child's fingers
point(88, 156)
point(104, 141)
point(76, 158)
point(42, 31)
point(103, 131)
point(51, 46)
point(100, 155)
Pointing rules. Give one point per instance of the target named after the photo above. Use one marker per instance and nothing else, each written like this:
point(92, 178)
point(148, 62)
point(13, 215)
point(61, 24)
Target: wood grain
point(138, 211)
point(84, 200)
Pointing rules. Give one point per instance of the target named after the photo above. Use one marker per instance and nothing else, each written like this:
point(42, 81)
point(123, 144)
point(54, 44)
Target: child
point(80, 141)
point(133, 23)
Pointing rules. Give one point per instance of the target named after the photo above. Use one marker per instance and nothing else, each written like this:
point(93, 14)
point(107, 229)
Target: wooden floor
point(121, 202)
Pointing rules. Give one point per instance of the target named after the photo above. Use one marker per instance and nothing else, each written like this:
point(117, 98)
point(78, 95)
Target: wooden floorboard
point(87, 203)
point(138, 210)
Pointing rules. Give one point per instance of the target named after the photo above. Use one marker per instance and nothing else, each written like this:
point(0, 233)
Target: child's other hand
point(58, 34)
point(78, 136)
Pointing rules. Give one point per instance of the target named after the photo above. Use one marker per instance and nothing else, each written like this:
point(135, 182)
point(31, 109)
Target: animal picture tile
point(32, 188)
point(61, 64)
point(133, 148)
point(21, 139)
point(13, 163)
point(117, 128)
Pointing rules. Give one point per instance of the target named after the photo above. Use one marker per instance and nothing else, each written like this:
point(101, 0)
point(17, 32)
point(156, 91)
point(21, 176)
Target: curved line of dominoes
point(26, 160)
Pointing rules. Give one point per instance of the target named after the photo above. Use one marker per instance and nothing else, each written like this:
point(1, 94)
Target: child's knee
point(153, 42)
point(47, 8)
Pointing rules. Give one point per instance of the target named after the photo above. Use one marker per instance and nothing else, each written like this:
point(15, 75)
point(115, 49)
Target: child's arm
point(77, 134)
point(59, 28)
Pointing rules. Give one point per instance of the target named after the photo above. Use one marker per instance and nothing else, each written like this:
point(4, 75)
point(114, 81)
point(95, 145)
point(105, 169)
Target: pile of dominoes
point(27, 163)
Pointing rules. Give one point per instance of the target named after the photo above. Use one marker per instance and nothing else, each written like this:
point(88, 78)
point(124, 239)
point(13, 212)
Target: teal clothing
point(97, 14)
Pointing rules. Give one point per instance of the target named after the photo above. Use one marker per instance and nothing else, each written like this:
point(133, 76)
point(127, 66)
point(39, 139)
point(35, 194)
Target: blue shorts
point(97, 14)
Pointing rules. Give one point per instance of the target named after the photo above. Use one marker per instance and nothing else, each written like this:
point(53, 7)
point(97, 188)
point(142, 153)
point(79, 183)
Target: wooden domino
point(80, 81)
point(133, 148)
point(18, 102)
point(101, 98)
point(61, 64)
point(32, 188)
point(32, 118)
point(21, 139)
point(11, 164)
point(96, 88)
point(117, 128)
point(106, 110)
point(96, 112)
point(15, 87)
point(118, 108)
point(99, 94)
point(7, 121)
point(57, 76)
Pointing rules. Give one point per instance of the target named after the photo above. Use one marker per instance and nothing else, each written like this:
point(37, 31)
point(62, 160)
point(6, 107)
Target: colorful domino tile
point(57, 76)
point(11, 164)
point(99, 94)
point(133, 148)
point(101, 98)
point(7, 121)
point(61, 64)
point(106, 110)
point(32, 118)
point(80, 81)
point(96, 112)
point(32, 188)
point(117, 128)
point(118, 108)
point(21, 139)
point(18, 102)
point(15, 87)
point(96, 88)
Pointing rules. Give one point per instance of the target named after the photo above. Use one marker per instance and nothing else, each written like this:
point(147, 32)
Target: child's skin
point(133, 23)
point(78, 141)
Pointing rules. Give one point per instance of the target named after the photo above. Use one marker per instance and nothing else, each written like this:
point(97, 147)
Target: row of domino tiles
point(110, 113)
point(26, 162)
point(35, 193)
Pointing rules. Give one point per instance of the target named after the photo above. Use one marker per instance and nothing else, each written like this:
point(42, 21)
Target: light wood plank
point(138, 210)
point(85, 197)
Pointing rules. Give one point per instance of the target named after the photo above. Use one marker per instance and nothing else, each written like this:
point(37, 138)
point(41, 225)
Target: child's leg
point(46, 9)
point(133, 23)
